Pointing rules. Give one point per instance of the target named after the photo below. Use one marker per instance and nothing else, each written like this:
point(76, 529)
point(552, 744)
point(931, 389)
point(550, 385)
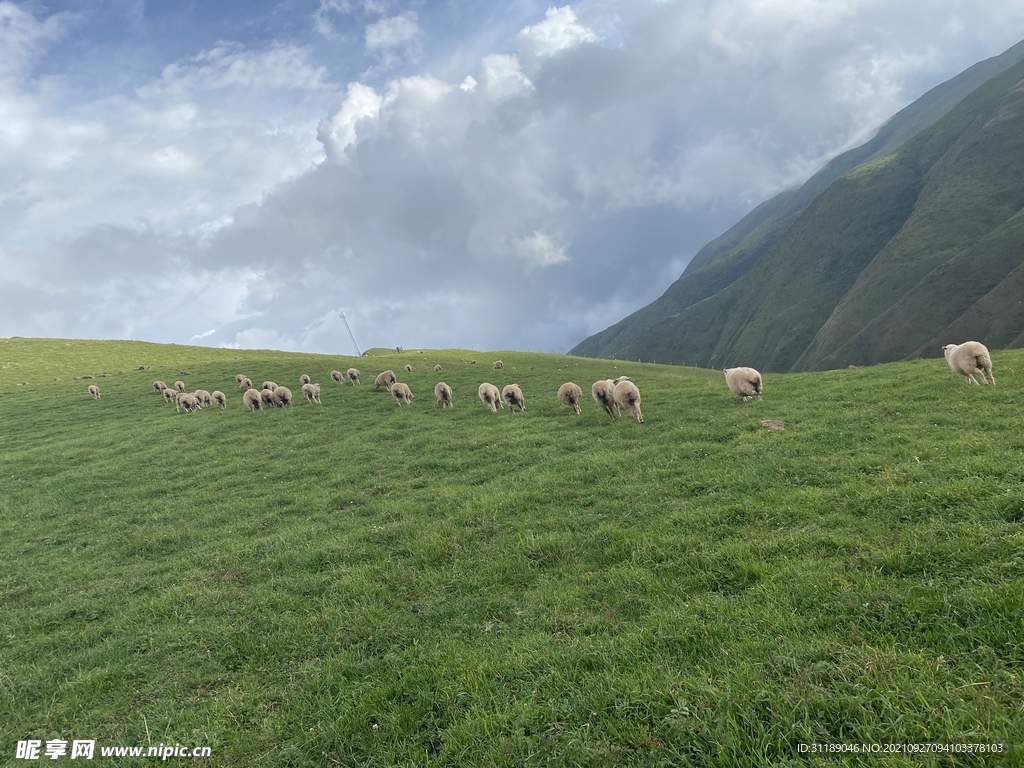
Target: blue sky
point(488, 175)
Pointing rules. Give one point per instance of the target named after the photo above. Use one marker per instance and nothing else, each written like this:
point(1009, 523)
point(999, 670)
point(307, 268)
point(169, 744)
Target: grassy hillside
point(728, 258)
point(358, 584)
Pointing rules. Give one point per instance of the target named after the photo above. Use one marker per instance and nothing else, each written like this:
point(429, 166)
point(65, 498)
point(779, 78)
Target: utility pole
point(350, 334)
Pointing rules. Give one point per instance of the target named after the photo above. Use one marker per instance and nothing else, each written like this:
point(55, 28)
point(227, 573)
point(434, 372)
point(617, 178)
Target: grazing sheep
point(338, 376)
point(304, 379)
point(513, 396)
point(245, 383)
point(621, 378)
point(745, 382)
point(353, 375)
point(570, 394)
point(94, 391)
point(239, 377)
point(970, 358)
point(437, 368)
point(604, 393)
point(180, 386)
point(220, 399)
point(408, 368)
point(159, 386)
point(498, 365)
point(282, 397)
point(169, 395)
point(443, 393)
point(252, 399)
point(269, 385)
point(385, 379)
point(267, 396)
point(202, 396)
point(311, 392)
point(401, 392)
point(490, 396)
point(627, 396)
point(187, 402)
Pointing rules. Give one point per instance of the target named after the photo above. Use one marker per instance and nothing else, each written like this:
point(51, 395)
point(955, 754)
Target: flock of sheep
point(613, 395)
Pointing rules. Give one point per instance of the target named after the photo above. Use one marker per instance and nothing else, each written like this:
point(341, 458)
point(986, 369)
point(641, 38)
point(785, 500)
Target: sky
point(459, 173)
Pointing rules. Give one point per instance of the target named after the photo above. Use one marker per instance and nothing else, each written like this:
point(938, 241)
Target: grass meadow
point(359, 584)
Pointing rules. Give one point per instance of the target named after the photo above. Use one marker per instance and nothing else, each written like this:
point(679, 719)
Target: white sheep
point(311, 392)
point(408, 368)
point(170, 395)
point(443, 393)
point(490, 396)
point(202, 396)
point(353, 375)
point(245, 383)
point(159, 386)
point(745, 382)
point(239, 377)
point(180, 386)
point(513, 396)
point(253, 400)
point(269, 385)
point(94, 391)
point(384, 379)
point(437, 368)
point(304, 379)
point(220, 399)
point(282, 397)
point(570, 394)
point(338, 376)
point(603, 393)
point(401, 392)
point(968, 359)
point(267, 396)
point(498, 365)
point(187, 403)
point(627, 396)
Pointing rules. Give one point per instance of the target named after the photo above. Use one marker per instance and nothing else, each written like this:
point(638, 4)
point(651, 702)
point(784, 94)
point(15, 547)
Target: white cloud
point(393, 32)
point(338, 131)
point(502, 76)
point(559, 31)
point(540, 250)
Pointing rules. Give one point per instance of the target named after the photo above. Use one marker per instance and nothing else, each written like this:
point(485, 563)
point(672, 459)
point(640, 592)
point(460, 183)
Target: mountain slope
point(728, 257)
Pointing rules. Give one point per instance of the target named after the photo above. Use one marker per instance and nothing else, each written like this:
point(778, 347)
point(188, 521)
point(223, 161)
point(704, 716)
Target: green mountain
point(881, 255)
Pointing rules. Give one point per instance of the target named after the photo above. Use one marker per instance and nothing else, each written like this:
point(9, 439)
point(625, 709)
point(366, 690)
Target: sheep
point(627, 396)
point(353, 375)
point(338, 376)
point(187, 402)
point(490, 396)
point(437, 368)
point(570, 394)
point(311, 392)
point(180, 386)
point(513, 396)
point(401, 392)
point(239, 377)
point(252, 399)
point(604, 393)
point(408, 368)
point(385, 379)
point(498, 365)
point(282, 397)
point(269, 385)
point(202, 396)
point(169, 395)
point(267, 396)
point(218, 397)
point(304, 379)
point(621, 378)
point(443, 393)
point(159, 386)
point(245, 383)
point(745, 382)
point(970, 358)
point(94, 391)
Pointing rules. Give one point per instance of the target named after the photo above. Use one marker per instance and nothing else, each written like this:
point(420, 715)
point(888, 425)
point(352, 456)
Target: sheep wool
point(269, 385)
point(513, 396)
point(180, 386)
point(385, 379)
point(745, 382)
point(968, 359)
point(245, 383)
point(570, 394)
point(304, 379)
point(220, 399)
point(443, 393)
point(169, 395)
point(239, 377)
point(498, 365)
point(187, 403)
point(252, 399)
point(490, 396)
point(282, 397)
point(338, 376)
point(202, 396)
point(267, 395)
point(627, 396)
point(94, 391)
point(603, 393)
point(401, 392)
point(408, 368)
point(159, 386)
point(437, 368)
point(311, 392)
point(353, 375)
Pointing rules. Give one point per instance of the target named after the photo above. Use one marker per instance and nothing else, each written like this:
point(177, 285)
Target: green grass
point(360, 584)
